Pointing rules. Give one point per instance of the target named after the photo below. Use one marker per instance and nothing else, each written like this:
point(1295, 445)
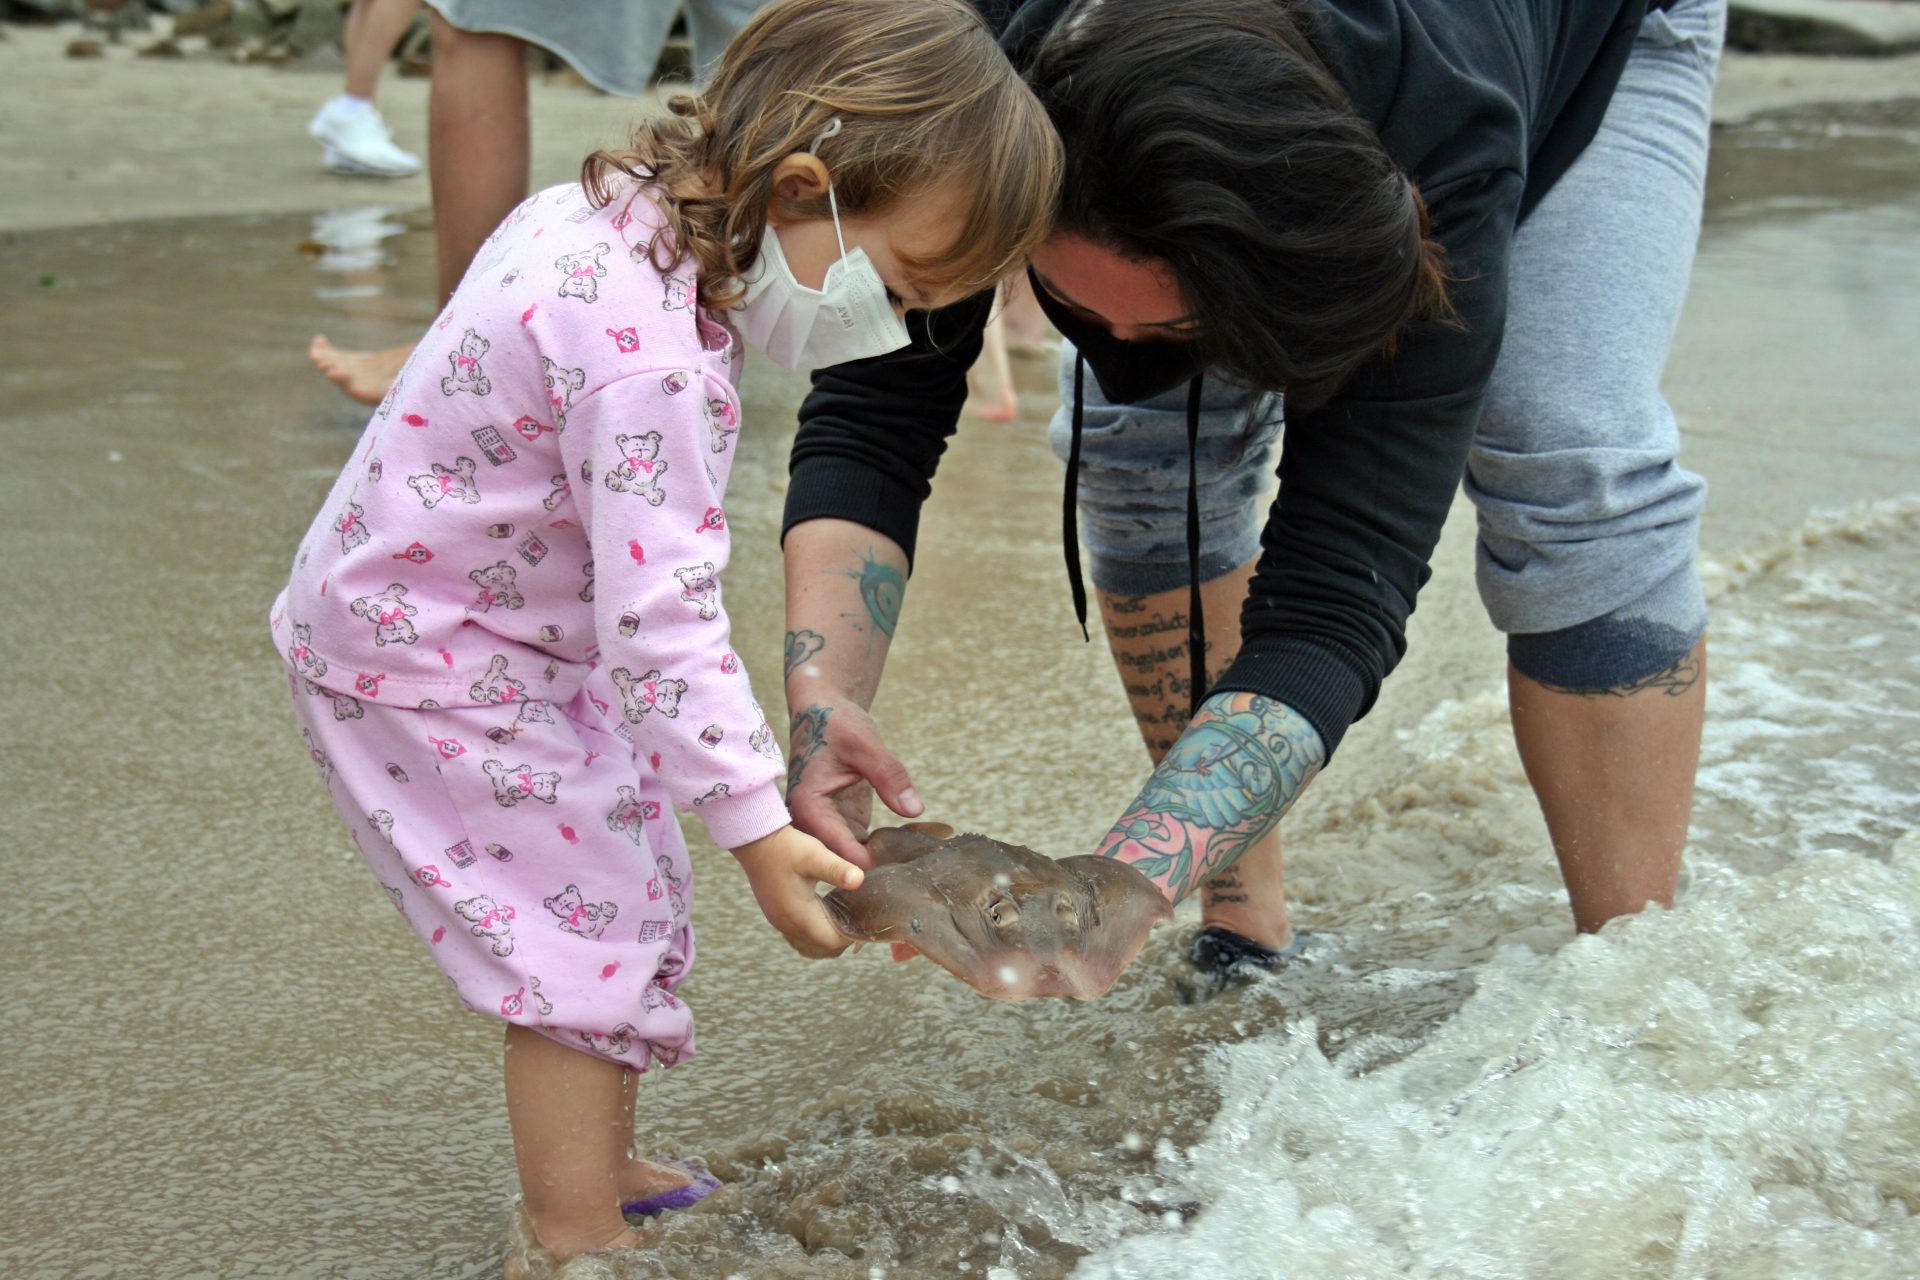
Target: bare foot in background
point(364, 375)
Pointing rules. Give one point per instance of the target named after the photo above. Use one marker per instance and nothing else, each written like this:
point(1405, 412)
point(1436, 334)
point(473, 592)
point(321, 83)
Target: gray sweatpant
point(1588, 526)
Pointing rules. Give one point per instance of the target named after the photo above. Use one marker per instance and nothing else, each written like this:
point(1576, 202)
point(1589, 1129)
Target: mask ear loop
point(833, 204)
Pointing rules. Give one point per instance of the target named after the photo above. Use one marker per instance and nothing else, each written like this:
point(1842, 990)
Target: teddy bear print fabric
point(541, 493)
point(539, 863)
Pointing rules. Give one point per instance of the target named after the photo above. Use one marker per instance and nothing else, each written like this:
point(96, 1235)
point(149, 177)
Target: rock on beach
point(1855, 27)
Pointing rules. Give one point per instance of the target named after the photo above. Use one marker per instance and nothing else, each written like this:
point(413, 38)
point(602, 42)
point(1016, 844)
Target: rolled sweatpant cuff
point(1642, 638)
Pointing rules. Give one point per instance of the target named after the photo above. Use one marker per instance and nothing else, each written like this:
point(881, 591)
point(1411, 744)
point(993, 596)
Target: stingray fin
point(889, 845)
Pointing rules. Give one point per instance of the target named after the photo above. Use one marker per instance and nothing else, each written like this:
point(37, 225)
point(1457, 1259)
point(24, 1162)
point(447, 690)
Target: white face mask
point(847, 318)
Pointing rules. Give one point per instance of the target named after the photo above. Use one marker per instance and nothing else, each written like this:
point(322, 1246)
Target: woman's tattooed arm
point(1240, 764)
point(845, 586)
point(808, 735)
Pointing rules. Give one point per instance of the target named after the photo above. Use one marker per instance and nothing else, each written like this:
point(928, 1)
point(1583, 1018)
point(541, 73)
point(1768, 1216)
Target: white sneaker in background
point(357, 141)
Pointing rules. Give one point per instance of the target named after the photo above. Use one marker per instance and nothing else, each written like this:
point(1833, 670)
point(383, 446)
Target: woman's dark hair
point(1210, 135)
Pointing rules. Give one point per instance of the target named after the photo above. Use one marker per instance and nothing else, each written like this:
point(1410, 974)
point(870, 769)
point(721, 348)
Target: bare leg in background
point(372, 30)
point(479, 157)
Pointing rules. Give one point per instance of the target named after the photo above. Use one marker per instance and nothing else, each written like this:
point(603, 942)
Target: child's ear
point(799, 181)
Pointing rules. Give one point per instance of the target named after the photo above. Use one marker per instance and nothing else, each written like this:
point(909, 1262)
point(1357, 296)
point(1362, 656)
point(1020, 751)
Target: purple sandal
point(703, 1185)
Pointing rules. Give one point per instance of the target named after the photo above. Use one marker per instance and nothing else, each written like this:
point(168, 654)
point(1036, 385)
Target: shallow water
point(229, 1058)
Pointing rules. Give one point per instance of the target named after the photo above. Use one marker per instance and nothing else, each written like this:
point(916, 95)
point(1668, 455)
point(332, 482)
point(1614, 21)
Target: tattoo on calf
point(1158, 624)
point(1225, 887)
point(809, 734)
point(1228, 779)
point(802, 645)
point(1148, 659)
point(1153, 670)
point(1674, 681)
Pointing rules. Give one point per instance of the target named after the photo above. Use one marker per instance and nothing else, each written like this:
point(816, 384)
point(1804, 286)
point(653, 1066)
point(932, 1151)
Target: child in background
point(504, 630)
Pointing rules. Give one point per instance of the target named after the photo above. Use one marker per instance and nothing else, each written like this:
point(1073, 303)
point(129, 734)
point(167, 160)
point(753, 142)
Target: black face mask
point(1129, 372)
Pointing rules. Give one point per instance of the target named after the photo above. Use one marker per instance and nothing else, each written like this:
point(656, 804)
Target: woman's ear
point(798, 180)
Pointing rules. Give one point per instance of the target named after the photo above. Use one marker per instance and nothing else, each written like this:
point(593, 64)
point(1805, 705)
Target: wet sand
point(229, 1058)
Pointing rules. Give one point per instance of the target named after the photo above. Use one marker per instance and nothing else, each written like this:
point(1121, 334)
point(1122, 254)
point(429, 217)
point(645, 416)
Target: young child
point(504, 631)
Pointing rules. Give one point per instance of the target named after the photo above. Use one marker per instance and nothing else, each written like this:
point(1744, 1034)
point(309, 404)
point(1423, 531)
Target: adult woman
point(1458, 240)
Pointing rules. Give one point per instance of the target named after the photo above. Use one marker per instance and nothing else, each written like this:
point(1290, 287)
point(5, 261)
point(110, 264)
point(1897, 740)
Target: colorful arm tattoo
point(1239, 766)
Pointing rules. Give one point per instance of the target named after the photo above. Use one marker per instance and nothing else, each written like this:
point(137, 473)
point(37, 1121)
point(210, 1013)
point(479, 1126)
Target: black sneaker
point(1222, 958)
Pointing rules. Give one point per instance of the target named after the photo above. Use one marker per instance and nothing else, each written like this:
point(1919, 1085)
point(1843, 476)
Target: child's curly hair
point(924, 97)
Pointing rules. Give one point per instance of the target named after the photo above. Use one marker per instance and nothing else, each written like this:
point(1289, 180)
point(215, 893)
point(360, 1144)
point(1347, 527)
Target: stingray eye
point(1066, 912)
point(1001, 911)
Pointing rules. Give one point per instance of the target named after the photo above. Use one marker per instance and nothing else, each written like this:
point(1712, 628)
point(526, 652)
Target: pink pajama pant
point(538, 860)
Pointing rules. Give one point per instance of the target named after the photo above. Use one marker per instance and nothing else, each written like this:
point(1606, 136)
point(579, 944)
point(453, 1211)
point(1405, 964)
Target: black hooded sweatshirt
point(1484, 105)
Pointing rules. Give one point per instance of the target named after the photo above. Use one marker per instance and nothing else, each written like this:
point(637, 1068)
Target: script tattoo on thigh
point(809, 734)
point(1674, 681)
point(802, 645)
point(1239, 766)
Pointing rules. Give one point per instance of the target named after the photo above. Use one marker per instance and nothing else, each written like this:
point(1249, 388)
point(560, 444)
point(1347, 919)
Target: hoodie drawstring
point(1196, 617)
point(1070, 507)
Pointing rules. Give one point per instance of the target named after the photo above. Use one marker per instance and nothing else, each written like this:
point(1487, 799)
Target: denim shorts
point(1133, 481)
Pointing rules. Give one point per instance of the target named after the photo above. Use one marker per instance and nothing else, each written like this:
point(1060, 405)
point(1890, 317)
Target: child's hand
point(783, 869)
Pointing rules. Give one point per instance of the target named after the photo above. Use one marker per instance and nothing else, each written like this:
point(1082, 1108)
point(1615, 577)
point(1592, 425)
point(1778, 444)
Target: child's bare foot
point(364, 375)
point(530, 1258)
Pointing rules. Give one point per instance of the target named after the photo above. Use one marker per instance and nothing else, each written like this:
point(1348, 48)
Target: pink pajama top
point(540, 494)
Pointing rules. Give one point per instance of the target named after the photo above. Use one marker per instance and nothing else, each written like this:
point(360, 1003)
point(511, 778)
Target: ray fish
point(1011, 923)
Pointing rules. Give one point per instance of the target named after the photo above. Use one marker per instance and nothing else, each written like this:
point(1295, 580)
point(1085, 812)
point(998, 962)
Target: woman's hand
point(835, 763)
point(783, 869)
point(845, 585)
